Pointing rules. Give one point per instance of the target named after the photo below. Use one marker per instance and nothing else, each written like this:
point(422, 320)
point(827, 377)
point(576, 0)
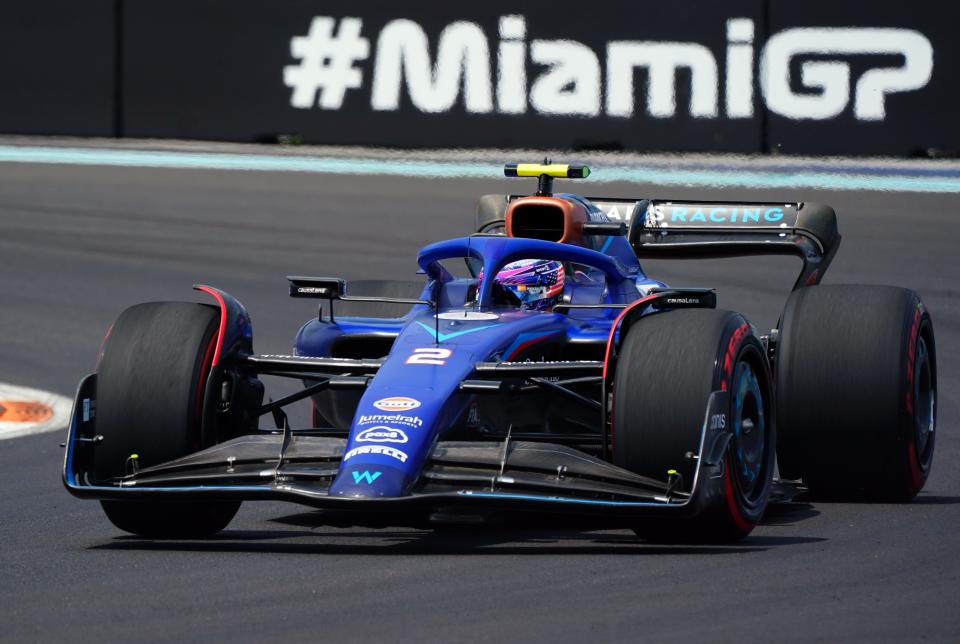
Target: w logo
point(365, 476)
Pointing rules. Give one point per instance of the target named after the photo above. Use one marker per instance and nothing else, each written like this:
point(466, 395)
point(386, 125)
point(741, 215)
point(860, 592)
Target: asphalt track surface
point(79, 244)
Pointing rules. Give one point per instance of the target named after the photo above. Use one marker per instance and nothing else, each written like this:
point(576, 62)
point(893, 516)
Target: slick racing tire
point(171, 519)
point(856, 391)
point(668, 366)
point(150, 387)
point(491, 214)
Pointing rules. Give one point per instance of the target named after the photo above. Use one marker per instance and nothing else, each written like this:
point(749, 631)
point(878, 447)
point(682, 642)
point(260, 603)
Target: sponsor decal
point(730, 355)
point(430, 355)
point(382, 450)
point(397, 403)
point(718, 421)
point(381, 434)
point(615, 211)
point(365, 476)
point(392, 419)
point(801, 73)
point(664, 216)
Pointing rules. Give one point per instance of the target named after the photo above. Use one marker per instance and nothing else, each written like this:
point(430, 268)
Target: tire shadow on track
point(935, 500)
point(780, 514)
point(428, 542)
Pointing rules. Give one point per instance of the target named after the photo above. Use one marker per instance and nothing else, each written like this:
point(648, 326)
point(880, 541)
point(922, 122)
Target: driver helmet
point(531, 284)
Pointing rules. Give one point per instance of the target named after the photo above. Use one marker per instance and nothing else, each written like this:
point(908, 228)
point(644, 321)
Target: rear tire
point(668, 366)
point(150, 389)
point(856, 374)
point(492, 214)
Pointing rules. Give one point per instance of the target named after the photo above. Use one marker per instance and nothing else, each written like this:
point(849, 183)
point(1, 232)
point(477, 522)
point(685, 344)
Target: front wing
point(464, 479)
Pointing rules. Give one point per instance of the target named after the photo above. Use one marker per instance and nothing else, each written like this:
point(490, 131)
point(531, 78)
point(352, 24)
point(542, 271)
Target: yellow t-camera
point(556, 170)
point(545, 173)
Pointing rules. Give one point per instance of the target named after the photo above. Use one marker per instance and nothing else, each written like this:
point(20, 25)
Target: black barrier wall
point(747, 76)
point(435, 74)
point(58, 67)
point(881, 77)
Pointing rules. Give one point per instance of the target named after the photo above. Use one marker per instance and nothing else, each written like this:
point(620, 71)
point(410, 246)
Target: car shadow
point(414, 542)
point(934, 499)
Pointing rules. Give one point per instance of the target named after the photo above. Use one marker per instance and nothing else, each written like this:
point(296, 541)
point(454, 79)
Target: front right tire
point(150, 387)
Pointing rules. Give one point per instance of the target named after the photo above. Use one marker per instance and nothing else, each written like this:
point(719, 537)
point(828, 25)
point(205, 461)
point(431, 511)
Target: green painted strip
point(734, 176)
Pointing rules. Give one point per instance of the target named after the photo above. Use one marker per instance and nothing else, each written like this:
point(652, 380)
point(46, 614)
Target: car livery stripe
point(562, 499)
point(524, 341)
point(223, 320)
point(616, 325)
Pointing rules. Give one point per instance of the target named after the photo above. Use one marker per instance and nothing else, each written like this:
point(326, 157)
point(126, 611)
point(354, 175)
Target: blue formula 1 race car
point(539, 372)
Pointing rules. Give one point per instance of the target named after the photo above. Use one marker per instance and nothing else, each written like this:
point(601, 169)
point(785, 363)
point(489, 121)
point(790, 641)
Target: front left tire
point(668, 365)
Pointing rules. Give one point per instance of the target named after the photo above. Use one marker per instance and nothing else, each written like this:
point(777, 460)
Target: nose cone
point(369, 481)
point(415, 397)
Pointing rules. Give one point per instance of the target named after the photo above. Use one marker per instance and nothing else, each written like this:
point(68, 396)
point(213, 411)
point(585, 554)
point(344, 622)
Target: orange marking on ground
point(24, 411)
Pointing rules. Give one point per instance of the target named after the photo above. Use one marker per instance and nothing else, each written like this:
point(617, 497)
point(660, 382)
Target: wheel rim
point(494, 228)
point(925, 395)
point(749, 432)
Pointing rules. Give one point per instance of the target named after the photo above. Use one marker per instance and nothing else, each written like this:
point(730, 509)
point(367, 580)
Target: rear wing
point(698, 230)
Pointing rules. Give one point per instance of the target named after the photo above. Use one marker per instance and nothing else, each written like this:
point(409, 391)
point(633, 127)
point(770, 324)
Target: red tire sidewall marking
point(917, 478)
point(616, 325)
point(222, 332)
point(103, 346)
point(608, 354)
point(205, 369)
point(730, 357)
point(916, 474)
point(736, 514)
point(912, 358)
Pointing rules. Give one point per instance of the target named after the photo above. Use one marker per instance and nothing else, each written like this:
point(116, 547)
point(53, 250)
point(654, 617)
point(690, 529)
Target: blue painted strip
point(443, 337)
point(561, 499)
point(178, 489)
point(524, 338)
point(825, 177)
